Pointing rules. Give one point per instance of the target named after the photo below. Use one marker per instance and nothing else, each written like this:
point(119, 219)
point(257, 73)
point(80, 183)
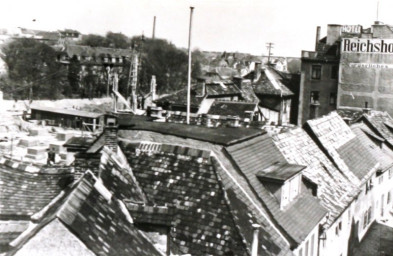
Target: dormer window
point(283, 180)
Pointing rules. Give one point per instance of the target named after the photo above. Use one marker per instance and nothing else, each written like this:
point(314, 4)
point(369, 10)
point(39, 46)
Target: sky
point(218, 25)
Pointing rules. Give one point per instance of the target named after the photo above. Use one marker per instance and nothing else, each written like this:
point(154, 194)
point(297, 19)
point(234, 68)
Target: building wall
point(326, 87)
point(366, 76)
point(309, 246)
point(383, 194)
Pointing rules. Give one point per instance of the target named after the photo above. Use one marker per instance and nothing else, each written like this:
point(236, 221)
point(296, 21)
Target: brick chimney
point(257, 70)
point(318, 37)
point(238, 81)
point(254, 248)
point(110, 131)
point(201, 87)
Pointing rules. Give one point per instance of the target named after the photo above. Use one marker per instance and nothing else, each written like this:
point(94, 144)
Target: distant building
point(350, 67)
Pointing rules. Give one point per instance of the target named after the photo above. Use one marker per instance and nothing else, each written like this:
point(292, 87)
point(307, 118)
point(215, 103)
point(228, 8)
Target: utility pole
point(189, 68)
point(269, 47)
point(154, 28)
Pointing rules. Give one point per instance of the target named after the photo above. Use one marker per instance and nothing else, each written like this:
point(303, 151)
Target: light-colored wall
point(307, 244)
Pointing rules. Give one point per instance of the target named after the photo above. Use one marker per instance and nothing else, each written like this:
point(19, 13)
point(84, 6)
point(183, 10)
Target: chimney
point(318, 37)
point(201, 87)
point(257, 70)
point(366, 109)
point(110, 131)
point(333, 33)
point(238, 81)
point(254, 249)
point(153, 86)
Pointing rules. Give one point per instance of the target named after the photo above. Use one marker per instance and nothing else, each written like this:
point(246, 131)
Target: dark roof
point(280, 171)
point(219, 135)
point(336, 189)
point(377, 241)
point(100, 224)
point(78, 143)
point(23, 194)
point(242, 200)
point(180, 98)
point(260, 153)
point(9, 230)
point(70, 112)
point(222, 89)
point(270, 83)
point(119, 178)
point(232, 108)
point(185, 178)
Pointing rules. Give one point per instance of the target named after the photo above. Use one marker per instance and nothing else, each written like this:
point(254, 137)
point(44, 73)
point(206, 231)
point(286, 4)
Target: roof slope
point(381, 123)
point(96, 218)
point(23, 194)
point(259, 153)
point(270, 83)
point(212, 214)
point(335, 189)
point(339, 141)
point(383, 154)
point(232, 108)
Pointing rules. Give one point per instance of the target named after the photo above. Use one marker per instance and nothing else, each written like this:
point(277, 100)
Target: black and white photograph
point(196, 128)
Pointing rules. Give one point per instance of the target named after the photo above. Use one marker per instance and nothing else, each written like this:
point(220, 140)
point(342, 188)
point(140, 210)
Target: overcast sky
point(218, 25)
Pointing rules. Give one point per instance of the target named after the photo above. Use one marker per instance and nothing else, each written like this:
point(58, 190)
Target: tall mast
point(189, 69)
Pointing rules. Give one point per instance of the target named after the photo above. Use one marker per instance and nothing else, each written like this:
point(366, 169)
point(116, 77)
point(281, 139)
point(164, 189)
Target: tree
point(34, 71)
point(74, 70)
point(117, 40)
point(93, 40)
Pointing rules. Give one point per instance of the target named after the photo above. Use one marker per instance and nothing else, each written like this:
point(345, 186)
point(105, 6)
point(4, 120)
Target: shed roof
point(270, 83)
point(69, 112)
point(232, 108)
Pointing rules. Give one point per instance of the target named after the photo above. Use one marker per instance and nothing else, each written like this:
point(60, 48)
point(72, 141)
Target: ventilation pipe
point(254, 249)
point(318, 37)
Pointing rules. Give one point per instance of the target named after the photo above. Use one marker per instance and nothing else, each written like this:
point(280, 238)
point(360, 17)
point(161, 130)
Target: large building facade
point(350, 67)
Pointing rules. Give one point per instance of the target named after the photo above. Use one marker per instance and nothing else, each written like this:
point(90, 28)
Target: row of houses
point(148, 188)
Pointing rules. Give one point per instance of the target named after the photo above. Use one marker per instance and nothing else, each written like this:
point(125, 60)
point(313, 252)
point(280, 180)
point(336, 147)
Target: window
point(301, 252)
point(367, 217)
point(306, 249)
point(338, 228)
point(316, 71)
point(312, 245)
point(390, 173)
point(334, 72)
point(389, 198)
point(332, 98)
point(380, 180)
point(314, 97)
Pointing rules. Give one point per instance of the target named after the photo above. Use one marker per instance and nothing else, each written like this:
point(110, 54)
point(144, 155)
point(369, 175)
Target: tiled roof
point(118, 177)
point(212, 214)
point(95, 217)
point(380, 123)
point(220, 135)
point(9, 230)
point(221, 89)
point(231, 108)
point(23, 194)
point(78, 143)
point(180, 98)
point(270, 83)
point(280, 171)
point(339, 141)
point(185, 178)
point(365, 136)
point(335, 190)
point(260, 153)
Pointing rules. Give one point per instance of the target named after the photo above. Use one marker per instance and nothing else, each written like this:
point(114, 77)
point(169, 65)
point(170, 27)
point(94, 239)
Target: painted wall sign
point(356, 45)
point(371, 65)
point(351, 29)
